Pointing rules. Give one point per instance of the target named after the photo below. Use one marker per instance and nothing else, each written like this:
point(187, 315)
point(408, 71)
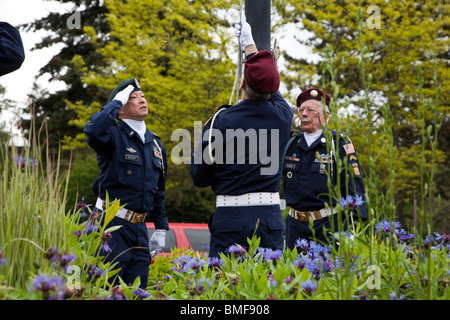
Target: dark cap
point(313, 93)
point(261, 73)
point(123, 85)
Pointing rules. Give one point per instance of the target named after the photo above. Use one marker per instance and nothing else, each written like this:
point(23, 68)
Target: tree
point(178, 52)
point(400, 37)
point(52, 108)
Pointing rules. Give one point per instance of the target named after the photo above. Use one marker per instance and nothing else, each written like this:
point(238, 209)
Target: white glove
point(123, 95)
point(243, 31)
point(157, 241)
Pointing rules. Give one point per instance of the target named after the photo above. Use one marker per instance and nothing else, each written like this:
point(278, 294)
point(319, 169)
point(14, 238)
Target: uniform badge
point(157, 153)
point(131, 150)
point(313, 93)
point(349, 148)
point(293, 158)
point(289, 174)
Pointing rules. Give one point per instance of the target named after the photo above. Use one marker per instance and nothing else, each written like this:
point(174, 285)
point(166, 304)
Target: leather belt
point(304, 216)
point(124, 213)
point(248, 199)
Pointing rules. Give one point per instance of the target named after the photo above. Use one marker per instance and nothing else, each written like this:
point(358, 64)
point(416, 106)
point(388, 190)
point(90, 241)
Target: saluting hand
point(123, 95)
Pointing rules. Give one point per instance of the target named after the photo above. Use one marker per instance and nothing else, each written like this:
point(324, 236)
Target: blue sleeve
point(201, 172)
point(158, 215)
point(284, 108)
point(12, 52)
point(97, 130)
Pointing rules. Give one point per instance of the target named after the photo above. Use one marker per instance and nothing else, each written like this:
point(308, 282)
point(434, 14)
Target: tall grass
point(32, 210)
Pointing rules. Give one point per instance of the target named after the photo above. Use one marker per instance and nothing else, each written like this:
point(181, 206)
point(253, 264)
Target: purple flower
point(237, 250)
point(141, 293)
point(393, 296)
point(106, 236)
point(309, 286)
point(214, 262)
point(116, 294)
point(351, 201)
point(65, 260)
point(47, 285)
point(269, 254)
point(22, 162)
point(95, 272)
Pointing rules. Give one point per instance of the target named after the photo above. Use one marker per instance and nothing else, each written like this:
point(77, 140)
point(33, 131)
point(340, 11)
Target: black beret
point(313, 93)
point(261, 73)
point(123, 85)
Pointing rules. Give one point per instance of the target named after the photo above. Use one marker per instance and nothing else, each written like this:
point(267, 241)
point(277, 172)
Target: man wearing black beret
point(133, 167)
point(233, 156)
point(12, 53)
point(307, 165)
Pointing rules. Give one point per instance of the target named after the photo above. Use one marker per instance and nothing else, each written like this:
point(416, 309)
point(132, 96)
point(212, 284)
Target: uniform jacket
point(305, 176)
point(12, 53)
point(239, 170)
point(130, 170)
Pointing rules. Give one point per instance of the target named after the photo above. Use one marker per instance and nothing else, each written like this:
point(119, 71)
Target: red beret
point(261, 73)
point(313, 93)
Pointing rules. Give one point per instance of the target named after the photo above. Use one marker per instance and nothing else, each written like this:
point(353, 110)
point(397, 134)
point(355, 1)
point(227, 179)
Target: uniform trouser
point(233, 225)
point(129, 245)
point(322, 230)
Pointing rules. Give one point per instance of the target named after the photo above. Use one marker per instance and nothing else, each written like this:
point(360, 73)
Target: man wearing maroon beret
point(240, 156)
point(308, 162)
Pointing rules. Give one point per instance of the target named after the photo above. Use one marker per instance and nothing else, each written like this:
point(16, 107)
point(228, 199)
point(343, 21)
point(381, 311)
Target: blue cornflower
point(270, 255)
point(141, 293)
point(95, 272)
point(106, 237)
point(387, 226)
point(195, 264)
point(116, 294)
point(309, 286)
point(22, 162)
point(65, 260)
point(393, 296)
point(214, 262)
point(302, 244)
point(47, 285)
point(237, 250)
point(351, 201)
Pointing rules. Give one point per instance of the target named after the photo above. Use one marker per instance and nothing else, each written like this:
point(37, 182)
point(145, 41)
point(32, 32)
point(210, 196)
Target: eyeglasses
point(308, 110)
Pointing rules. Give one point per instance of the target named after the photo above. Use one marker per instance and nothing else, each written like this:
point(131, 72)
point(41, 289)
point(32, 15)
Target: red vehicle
point(184, 235)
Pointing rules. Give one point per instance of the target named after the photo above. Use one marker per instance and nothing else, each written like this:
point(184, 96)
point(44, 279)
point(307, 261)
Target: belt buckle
point(137, 217)
point(303, 216)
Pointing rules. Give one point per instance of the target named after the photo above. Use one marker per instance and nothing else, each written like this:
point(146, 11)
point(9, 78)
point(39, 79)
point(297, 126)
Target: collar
point(138, 126)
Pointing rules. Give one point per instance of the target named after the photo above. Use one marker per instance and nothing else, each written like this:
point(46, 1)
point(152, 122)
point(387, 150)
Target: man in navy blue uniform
point(133, 167)
point(233, 156)
point(12, 53)
point(308, 162)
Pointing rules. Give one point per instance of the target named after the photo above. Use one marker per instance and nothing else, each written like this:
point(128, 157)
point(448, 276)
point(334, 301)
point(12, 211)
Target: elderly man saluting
point(246, 182)
point(307, 165)
point(133, 166)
